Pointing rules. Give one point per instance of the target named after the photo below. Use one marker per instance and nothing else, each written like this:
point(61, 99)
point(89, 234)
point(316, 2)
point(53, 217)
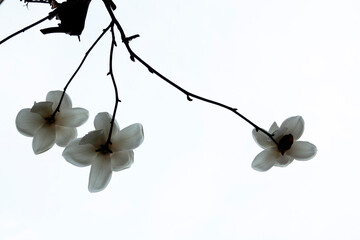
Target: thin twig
point(49, 16)
point(111, 73)
point(80, 65)
point(188, 94)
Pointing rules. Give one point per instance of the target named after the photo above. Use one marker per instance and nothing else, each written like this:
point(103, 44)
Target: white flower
point(93, 149)
point(39, 122)
point(288, 147)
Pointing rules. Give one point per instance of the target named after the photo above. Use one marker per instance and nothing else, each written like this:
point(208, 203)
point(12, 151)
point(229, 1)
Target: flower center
point(285, 143)
point(104, 149)
point(50, 119)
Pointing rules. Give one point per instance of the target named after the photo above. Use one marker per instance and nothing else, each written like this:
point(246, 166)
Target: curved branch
point(188, 94)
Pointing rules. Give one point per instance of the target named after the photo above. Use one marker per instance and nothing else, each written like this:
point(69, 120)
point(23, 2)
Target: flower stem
point(188, 94)
point(78, 68)
point(111, 73)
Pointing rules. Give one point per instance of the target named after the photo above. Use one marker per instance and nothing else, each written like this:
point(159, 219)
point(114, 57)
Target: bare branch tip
point(128, 39)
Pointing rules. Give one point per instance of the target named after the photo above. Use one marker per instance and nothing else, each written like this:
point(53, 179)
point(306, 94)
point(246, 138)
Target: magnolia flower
point(288, 147)
point(48, 129)
point(94, 149)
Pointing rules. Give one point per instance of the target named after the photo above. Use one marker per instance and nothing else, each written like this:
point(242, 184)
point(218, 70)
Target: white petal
point(273, 127)
point(55, 96)
point(100, 173)
point(284, 160)
point(27, 123)
point(64, 135)
point(72, 117)
point(95, 138)
point(122, 160)
point(79, 155)
point(279, 133)
point(265, 159)
point(262, 139)
point(44, 109)
point(302, 150)
point(103, 121)
point(44, 138)
point(128, 138)
point(284, 163)
point(295, 126)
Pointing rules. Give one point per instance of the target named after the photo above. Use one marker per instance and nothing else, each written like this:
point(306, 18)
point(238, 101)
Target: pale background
point(192, 177)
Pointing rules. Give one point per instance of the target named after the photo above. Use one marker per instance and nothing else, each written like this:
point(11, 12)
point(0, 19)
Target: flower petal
point(295, 126)
point(279, 133)
point(72, 117)
point(64, 135)
point(79, 155)
point(265, 159)
point(122, 160)
point(273, 127)
point(284, 160)
point(302, 151)
point(27, 123)
point(262, 139)
point(44, 138)
point(284, 164)
point(95, 138)
point(100, 173)
point(128, 138)
point(55, 96)
point(103, 121)
point(44, 109)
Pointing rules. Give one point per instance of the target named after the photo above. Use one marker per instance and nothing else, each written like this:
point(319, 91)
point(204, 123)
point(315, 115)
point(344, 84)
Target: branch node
point(151, 70)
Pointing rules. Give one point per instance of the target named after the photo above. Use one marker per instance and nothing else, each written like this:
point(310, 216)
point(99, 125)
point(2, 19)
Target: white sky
point(192, 177)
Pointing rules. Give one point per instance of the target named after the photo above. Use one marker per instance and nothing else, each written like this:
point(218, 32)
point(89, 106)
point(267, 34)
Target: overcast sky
point(192, 176)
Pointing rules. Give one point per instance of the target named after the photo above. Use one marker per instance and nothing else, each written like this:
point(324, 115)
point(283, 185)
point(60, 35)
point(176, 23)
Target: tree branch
point(189, 95)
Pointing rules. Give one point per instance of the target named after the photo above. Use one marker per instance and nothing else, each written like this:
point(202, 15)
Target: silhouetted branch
point(117, 100)
point(188, 94)
point(37, 1)
point(50, 16)
point(78, 68)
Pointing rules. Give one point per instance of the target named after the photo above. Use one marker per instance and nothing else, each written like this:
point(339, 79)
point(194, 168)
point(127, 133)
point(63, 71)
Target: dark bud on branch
point(188, 98)
point(72, 15)
point(132, 58)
